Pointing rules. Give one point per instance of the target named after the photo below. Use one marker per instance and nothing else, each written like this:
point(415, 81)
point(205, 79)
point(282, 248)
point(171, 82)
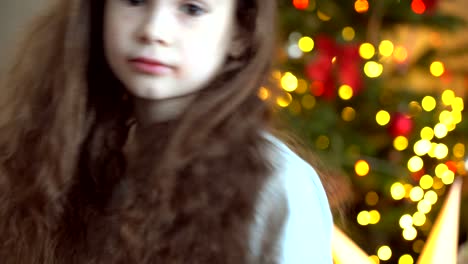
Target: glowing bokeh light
point(440, 130)
point(294, 51)
point(374, 259)
point(301, 4)
point(422, 147)
point(374, 217)
point(322, 16)
point(415, 164)
point(373, 69)
point(426, 182)
point(458, 104)
point(419, 219)
point(440, 169)
point(431, 196)
point(263, 93)
point(372, 198)
point(308, 101)
point(406, 221)
point(416, 194)
point(438, 184)
point(428, 103)
point(322, 142)
point(427, 133)
point(459, 150)
point(418, 6)
point(400, 143)
point(397, 191)
point(345, 92)
point(456, 116)
point(363, 218)
point(448, 177)
point(446, 117)
point(348, 33)
point(386, 48)
point(362, 168)
point(424, 206)
point(441, 151)
point(302, 86)
point(306, 44)
point(382, 117)
point(448, 96)
point(414, 108)
point(437, 68)
point(384, 253)
point(406, 259)
point(348, 114)
point(410, 233)
point(284, 100)
point(289, 82)
point(366, 50)
point(361, 6)
point(400, 54)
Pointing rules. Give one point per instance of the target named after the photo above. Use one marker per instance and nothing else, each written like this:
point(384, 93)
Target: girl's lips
point(150, 66)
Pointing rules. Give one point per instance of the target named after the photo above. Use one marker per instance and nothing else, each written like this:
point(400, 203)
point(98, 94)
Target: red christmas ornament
point(417, 175)
point(301, 4)
point(349, 68)
point(431, 5)
point(333, 66)
point(320, 73)
point(418, 6)
point(400, 125)
point(451, 166)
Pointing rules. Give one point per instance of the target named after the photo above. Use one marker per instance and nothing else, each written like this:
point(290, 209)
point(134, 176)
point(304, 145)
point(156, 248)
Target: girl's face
point(162, 49)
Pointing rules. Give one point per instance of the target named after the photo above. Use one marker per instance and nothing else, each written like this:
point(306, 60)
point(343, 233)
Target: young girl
point(130, 132)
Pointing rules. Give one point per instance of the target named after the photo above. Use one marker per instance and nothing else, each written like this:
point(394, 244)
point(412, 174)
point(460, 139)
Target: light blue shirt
point(307, 232)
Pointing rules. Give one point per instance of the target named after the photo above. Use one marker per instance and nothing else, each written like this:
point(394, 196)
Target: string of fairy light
point(298, 95)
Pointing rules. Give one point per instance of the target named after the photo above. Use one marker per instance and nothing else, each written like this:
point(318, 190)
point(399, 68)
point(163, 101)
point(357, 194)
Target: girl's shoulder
point(307, 226)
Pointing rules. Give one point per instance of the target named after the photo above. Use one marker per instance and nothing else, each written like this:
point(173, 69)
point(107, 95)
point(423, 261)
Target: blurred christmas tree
point(374, 88)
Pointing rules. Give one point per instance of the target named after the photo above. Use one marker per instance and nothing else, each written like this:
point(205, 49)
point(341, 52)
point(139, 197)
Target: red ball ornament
point(349, 70)
point(301, 4)
point(431, 5)
point(418, 175)
point(400, 125)
point(451, 166)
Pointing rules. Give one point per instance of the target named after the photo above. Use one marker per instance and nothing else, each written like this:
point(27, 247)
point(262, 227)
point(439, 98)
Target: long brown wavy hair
point(69, 193)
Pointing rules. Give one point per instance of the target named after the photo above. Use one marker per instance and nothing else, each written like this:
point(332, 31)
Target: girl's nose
point(157, 27)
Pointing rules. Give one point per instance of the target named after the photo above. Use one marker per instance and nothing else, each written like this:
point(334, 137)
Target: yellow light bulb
point(437, 68)
point(397, 191)
point(386, 48)
point(306, 44)
point(348, 33)
point(428, 103)
point(373, 69)
point(384, 253)
point(382, 117)
point(406, 221)
point(367, 51)
point(362, 168)
point(415, 164)
point(410, 233)
point(400, 143)
point(289, 82)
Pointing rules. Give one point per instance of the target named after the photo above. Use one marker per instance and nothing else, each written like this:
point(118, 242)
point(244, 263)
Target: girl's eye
point(135, 2)
point(192, 9)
